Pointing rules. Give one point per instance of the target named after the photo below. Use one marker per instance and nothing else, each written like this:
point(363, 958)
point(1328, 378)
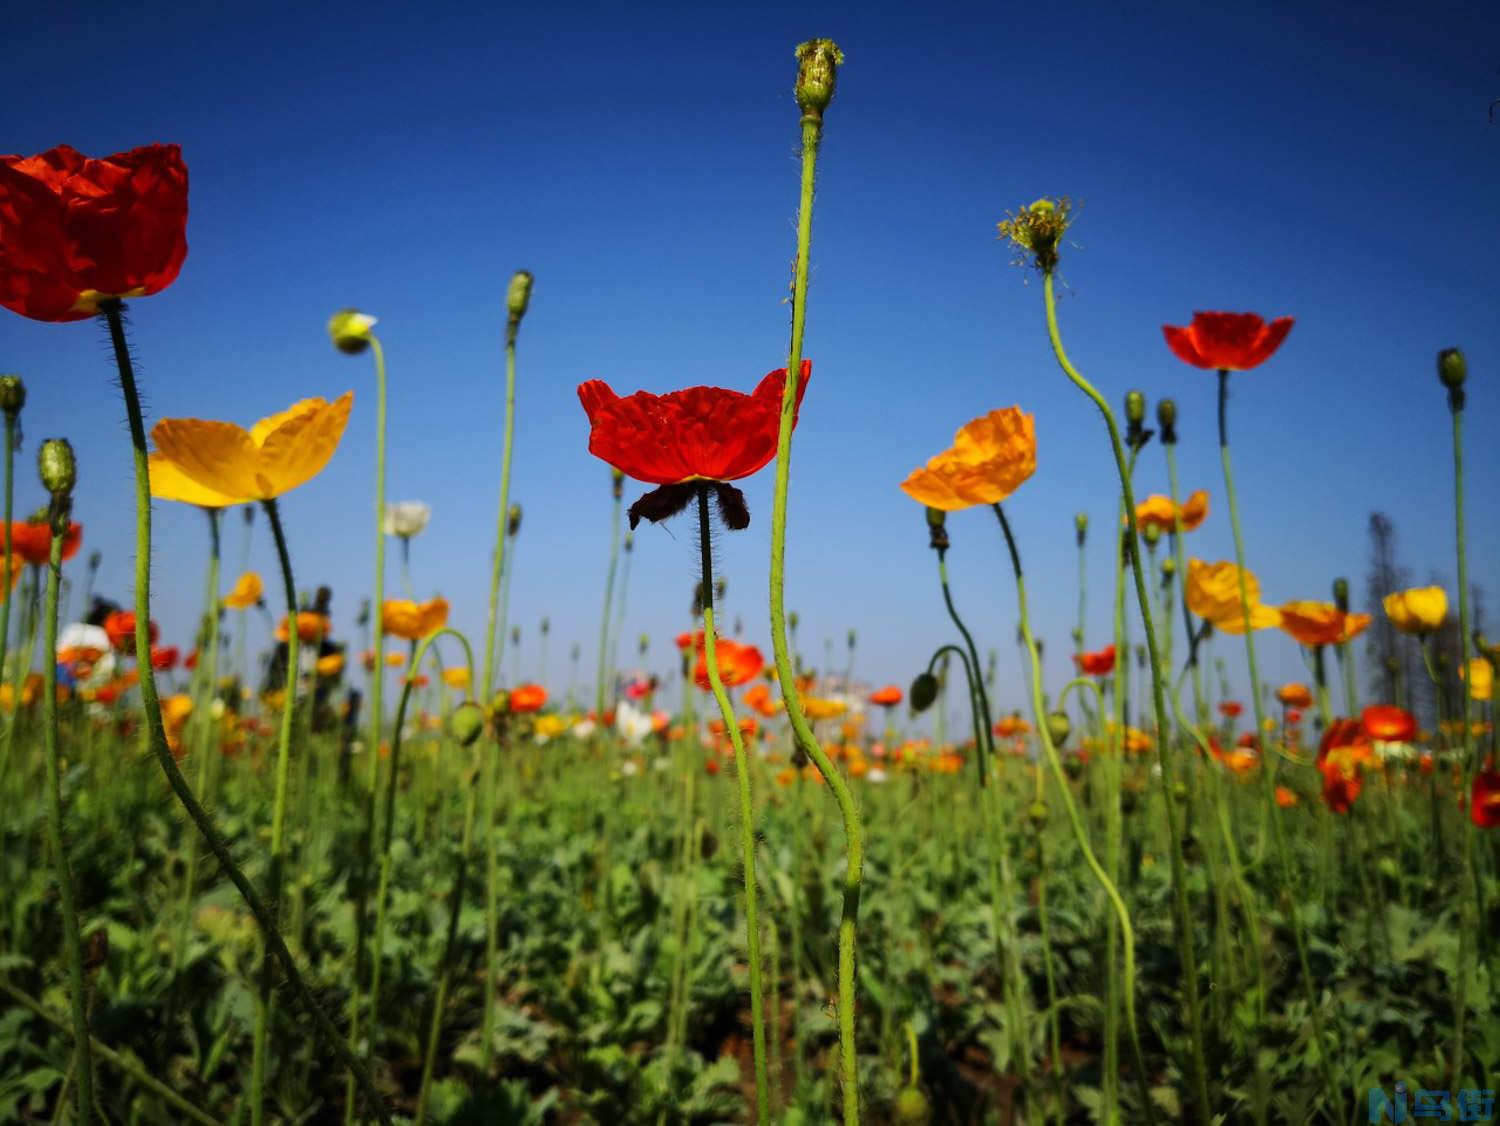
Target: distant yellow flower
point(1481, 678)
point(549, 726)
point(1213, 592)
point(331, 665)
point(246, 592)
point(175, 711)
point(1422, 609)
point(414, 620)
point(1321, 623)
point(1158, 511)
point(816, 708)
point(991, 457)
point(218, 463)
point(457, 677)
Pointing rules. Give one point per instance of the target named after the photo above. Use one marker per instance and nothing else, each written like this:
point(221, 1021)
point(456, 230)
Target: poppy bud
point(514, 525)
point(1036, 812)
point(923, 692)
point(350, 331)
point(518, 297)
point(629, 542)
point(499, 704)
point(1341, 594)
point(1135, 408)
point(466, 723)
point(1059, 727)
point(912, 1108)
point(1168, 570)
point(817, 73)
point(1081, 526)
point(1166, 419)
point(1151, 533)
point(58, 466)
point(12, 395)
point(1453, 369)
point(936, 530)
point(617, 481)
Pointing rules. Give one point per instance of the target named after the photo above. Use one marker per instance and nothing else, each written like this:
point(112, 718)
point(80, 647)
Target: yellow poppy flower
point(1481, 678)
point(246, 591)
point(331, 665)
point(816, 708)
point(273, 457)
point(457, 677)
point(991, 457)
point(168, 482)
point(1159, 512)
point(1420, 610)
point(412, 620)
point(1321, 623)
point(1213, 592)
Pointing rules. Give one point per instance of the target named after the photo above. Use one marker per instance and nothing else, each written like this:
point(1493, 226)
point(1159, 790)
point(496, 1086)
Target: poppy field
point(391, 876)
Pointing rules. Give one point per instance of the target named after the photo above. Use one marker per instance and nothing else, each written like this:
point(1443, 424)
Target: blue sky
point(1328, 162)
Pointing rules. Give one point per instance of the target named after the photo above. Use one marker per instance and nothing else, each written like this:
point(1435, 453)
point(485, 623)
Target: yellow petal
point(168, 482)
point(929, 487)
point(302, 442)
point(215, 455)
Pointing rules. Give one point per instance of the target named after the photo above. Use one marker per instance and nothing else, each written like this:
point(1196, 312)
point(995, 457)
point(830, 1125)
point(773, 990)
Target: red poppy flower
point(527, 698)
point(1099, 663)
point(640, 689)
point(1227, 341)
point(1484, 804)
point(163, 657)
point(75, 230)
point(32, 543)
point(1231, 709)
point(887, 697)
point(686, 439)
point(1343, 751)
point(737, 663)
point(119, 627)
point(1389, 723)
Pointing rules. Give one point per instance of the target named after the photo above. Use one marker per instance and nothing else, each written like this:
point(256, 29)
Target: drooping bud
point(466, 723)
point(923, 692)
point(12, 395)
point(912, 1107)
point(350, 331)
point(1081, 526)
point(617, 482)
point(1059, 727)
point(817, 74)
point(513, 524)
point(1452, 368)
point(1166, 419)
point(937, 530)
point(517, 299)
point(58, 466)
point(1341, 594)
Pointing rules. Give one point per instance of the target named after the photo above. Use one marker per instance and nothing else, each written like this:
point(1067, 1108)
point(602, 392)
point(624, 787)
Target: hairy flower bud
point(350, 331)
point(817, 73)
point(58, 466)
point(1135, 407)
point(1166, 420)
point(518, 296)
point(1452, 368)
point(12, 395)
point(937, 530)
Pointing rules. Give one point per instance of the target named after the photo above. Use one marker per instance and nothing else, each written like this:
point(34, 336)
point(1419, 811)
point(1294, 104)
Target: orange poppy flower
point(527, 698)
point(1286, 798)
point(887, 697)
point(758, 699)
point(1158, 512)
point(331, 665)
point(421, 680)
point(991, 457)
point(1295, 695)
point(1389, 723)
point(1484, 802)
point(32, 543)
point(311, 627)
point(738, 664)
point(412, 620)
point(119, 626)
point(79, 229)
point(1227, 341)
point(1099, 663)
point(1321, 623)
point(246, 592)
point(1012, 726)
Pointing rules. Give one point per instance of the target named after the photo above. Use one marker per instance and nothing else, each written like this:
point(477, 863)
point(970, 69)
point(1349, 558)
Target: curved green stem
point(157, 736)
point(67, 894)
point(1182, 919)
point(747, 812)
point(812, 131)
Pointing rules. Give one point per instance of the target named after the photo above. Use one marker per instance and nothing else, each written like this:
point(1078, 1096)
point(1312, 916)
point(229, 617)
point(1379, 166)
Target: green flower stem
point(620, 604)
point(601, 684)
point(24, 660)
point(983, 750)
point(812, 132)
point(157, 736)
point(747, 811)
point(490, 764)
point(1049, 961)
point(1080, 833)
point(277, 871)
point(203, 728)
point(1179, 552)
point(1345, 655)
point(1278, 836)
point(67, 894)
point(124, 1063)
point(1182, 919)
point(7, 564)
point(382, 894)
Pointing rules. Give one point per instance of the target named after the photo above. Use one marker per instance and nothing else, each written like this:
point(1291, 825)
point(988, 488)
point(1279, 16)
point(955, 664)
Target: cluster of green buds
point(1036, 232)
point(517, 300)
point(350, 331)
point(645, 644)
point(937, 531)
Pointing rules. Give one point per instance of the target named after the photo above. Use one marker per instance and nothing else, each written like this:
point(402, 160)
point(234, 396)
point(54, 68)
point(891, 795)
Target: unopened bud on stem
point(12, 395)
point(350, 331)
point(817, 74)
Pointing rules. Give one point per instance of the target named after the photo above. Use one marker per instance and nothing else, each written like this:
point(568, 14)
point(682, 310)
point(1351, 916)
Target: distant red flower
point(1231, 709)
point(1227, 341)
point(1389, 723)
point(75, 230)
point(1484, 805)
point(528, 698)
point(712, 766)
point(887, 697)
point(191, 660)
point(1293, 716)
point(32, 543)
point(119, 627)
point(163, 657)
point(684, 439)
point(737, 663)
point(1098, 663)
point(640, 689)
point(1342, 753)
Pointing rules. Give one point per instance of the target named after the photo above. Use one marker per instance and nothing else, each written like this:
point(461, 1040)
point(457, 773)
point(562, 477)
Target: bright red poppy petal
point(1184, 346)
point(1268, 340)
point(36, 279)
